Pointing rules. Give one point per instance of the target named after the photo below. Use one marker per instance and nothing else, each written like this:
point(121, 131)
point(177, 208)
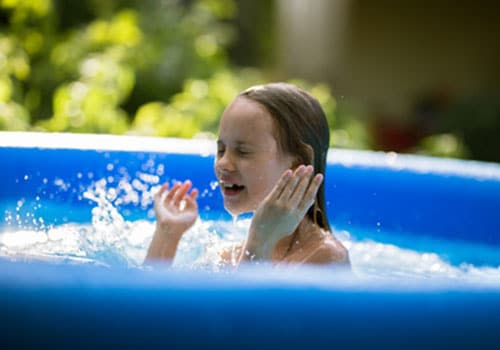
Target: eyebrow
point(238, 143)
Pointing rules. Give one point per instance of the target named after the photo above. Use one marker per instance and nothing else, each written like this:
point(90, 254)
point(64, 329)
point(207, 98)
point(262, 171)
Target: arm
point(281, 212)
point(176, 211)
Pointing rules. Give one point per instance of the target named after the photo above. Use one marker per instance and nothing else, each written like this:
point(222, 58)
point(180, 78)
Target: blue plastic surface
point(83, 307)
point(358, 196)
point(46, 305)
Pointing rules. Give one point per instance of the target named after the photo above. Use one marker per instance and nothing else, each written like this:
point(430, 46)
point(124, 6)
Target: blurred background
point(413, 76)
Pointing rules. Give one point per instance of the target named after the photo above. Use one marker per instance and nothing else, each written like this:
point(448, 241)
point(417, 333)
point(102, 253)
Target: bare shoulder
point(330, 250)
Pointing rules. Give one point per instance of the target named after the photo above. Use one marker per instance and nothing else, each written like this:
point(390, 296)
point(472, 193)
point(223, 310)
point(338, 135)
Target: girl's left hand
point(282, 210)
point(176, 210)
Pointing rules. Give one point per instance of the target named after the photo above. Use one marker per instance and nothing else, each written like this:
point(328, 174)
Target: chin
point(234, 211)
point(237, 210)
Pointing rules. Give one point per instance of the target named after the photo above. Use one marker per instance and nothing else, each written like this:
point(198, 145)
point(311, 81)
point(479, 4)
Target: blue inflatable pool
point(401, 200)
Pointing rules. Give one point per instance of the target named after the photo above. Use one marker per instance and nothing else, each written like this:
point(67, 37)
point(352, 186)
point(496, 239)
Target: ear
point(306, 156)
point(310, 154)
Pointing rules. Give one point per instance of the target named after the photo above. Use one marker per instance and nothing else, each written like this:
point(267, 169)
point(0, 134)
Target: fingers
point(161, 191)
point(280, 185)
point(297, 184)
point(194, 194)
point(170, 194)
point(191, 198)
point(300, 191)
point(181, 192)
point(177, 193)
point(312, 190)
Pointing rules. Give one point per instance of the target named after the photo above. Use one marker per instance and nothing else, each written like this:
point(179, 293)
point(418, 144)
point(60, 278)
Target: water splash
point(111, 240)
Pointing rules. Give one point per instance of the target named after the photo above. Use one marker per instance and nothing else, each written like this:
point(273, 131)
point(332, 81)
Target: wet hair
point(300, 126)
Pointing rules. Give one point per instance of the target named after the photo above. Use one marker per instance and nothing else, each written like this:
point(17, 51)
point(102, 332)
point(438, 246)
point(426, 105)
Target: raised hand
point(176, 211)
point(282, 210)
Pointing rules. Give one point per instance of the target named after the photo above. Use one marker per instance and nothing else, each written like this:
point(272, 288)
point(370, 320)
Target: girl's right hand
point(176, 210)
point(282, 210)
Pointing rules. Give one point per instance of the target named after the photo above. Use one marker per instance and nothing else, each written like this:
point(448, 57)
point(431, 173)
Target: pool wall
point(373, 191)
point(64, 305)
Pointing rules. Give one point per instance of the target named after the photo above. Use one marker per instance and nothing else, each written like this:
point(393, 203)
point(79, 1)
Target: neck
point(305, 229)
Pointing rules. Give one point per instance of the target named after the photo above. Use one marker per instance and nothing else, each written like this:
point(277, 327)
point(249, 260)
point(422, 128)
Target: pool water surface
point(113, 241)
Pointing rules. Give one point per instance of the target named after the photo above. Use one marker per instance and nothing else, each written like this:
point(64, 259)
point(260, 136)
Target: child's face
point(249, 162)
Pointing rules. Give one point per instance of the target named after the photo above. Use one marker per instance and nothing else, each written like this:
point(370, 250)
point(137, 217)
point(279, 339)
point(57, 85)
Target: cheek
point(265, 178)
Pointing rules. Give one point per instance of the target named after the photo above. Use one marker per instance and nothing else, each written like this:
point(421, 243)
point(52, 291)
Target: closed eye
point(243, 152)
point(220, 152)
point(220, 149)
point(240, 149)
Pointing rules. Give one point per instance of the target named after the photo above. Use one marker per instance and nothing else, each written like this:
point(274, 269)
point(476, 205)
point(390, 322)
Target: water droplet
point(160, 170)
point(235, 219)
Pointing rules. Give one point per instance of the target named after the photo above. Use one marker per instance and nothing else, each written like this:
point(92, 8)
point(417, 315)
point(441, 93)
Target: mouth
point(231, 189)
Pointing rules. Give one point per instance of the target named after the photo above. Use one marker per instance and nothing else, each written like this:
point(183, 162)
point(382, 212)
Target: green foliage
point(161, 68)
point(89, 66)
point(351, 133)
point(142, 67)
point(14, 68)
point(197, 108)
point(13, 117)
point(442, 145)
point(127, 66)
point(91, 104)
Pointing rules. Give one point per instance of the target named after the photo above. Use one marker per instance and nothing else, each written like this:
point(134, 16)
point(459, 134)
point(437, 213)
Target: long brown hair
point(300, 127)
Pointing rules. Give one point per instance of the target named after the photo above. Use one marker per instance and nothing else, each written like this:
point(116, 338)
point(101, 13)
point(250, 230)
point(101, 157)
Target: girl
point(271, 156)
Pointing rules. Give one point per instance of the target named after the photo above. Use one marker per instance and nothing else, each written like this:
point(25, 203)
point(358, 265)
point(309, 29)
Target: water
point(122, 243)
point(111, 240)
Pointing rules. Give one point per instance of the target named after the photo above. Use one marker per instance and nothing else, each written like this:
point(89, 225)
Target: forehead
point(245, 120)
